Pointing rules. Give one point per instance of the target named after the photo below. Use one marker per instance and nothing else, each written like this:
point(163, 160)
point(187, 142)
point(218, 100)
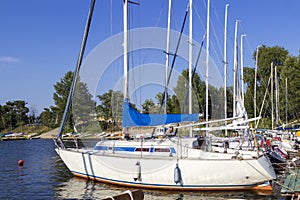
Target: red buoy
point(21, 162)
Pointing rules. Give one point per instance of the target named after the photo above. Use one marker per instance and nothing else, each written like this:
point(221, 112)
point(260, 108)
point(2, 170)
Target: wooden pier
point(291, 186)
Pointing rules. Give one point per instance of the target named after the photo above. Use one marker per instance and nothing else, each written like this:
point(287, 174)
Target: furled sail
point(131, 117)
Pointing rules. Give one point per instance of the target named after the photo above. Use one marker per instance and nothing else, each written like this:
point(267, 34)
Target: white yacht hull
point(199, 170)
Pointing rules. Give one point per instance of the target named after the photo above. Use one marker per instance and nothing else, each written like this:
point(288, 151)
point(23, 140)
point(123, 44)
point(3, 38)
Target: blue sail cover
point(132, 117)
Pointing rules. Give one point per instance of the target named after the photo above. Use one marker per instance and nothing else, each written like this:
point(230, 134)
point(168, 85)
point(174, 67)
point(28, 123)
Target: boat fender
point(177, 175)
point(21, 163)
point(137, 172)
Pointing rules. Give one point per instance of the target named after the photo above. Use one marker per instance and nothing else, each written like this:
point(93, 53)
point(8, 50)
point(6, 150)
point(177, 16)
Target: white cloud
point(9, 59)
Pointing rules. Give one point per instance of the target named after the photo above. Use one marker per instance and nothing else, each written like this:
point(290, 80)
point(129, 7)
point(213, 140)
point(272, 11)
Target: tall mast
point(225, 65)
point(190, 58)
point(207, 62)
point(286, 102)
point(242, 68)
point(125, 48)
point(276, 95)
point(235, 69)
point(255, 80)
point(167, 55)
point(272, 103)
point(76, 73)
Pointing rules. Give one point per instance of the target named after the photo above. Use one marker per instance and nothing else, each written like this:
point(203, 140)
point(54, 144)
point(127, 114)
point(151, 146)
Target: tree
point(32, 115)
point(3, 119)
point(109, 109)
point(8, 118)
point(2, 124)
point(160, 107)
point(198, 90)
point(148, 106)
point(290, 72)
point(83, 107)
point(48, 118)
point(216, 102)
point(13, 114)
point(60, 97)
point(249, 95)
point(266, 55)
point(21, 111)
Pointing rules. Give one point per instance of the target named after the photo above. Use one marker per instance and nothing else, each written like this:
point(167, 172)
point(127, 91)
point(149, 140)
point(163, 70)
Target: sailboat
point(170, 163)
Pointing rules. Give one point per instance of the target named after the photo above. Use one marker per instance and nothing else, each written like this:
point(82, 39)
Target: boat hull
point(158, 173)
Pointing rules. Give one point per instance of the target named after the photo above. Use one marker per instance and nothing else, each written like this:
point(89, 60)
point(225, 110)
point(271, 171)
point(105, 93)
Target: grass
point(29, 129)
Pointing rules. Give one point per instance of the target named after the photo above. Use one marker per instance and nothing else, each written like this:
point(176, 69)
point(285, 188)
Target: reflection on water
point(85, 189)
point(45, 176)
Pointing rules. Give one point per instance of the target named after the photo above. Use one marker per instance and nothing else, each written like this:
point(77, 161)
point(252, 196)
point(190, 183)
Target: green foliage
point(82, 108)
point(13, 114)
point(266, 56)
point(288, 71)
point(49, 117)
point(171, 106)
point(52, 116)
point(148, 105)
point(109, 110)
point(216, 102)
point(290, 75)
point(60, 97)
point(198, 93)
point(178, 102)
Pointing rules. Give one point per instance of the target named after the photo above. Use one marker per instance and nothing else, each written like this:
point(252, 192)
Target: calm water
point(44, 176)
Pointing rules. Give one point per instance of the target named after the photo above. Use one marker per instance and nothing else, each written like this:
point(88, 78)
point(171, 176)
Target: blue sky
point(40, 40)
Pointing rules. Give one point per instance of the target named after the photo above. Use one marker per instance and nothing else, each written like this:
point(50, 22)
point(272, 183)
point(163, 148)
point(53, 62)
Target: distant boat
point(170, 163)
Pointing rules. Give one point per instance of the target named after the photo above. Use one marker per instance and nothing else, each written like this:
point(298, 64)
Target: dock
point(291, 186)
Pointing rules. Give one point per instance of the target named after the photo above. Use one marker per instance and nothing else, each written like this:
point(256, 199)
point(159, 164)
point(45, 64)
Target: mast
point(225, 66)
point(76, 72)
point(167, 55)
point(276, 96)
point(272, 103)
point(286, 102)
point(255, 80)
point(242, 68)
point(235, 69)
point(190, 59)
point(125, 48)
point(173, 62)
point(207, 60)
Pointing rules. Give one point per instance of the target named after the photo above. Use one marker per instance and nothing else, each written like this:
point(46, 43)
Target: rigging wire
point(193, 74)
point(199, 17)
point(76, 73)
point(156, 25)
point(174, 19)
point(160, 13)
point(173, 62)
point(175, 55)
point(132, 54)
point(216, 42)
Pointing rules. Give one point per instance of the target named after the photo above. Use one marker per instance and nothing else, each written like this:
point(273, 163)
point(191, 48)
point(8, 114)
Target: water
point(44, 176)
